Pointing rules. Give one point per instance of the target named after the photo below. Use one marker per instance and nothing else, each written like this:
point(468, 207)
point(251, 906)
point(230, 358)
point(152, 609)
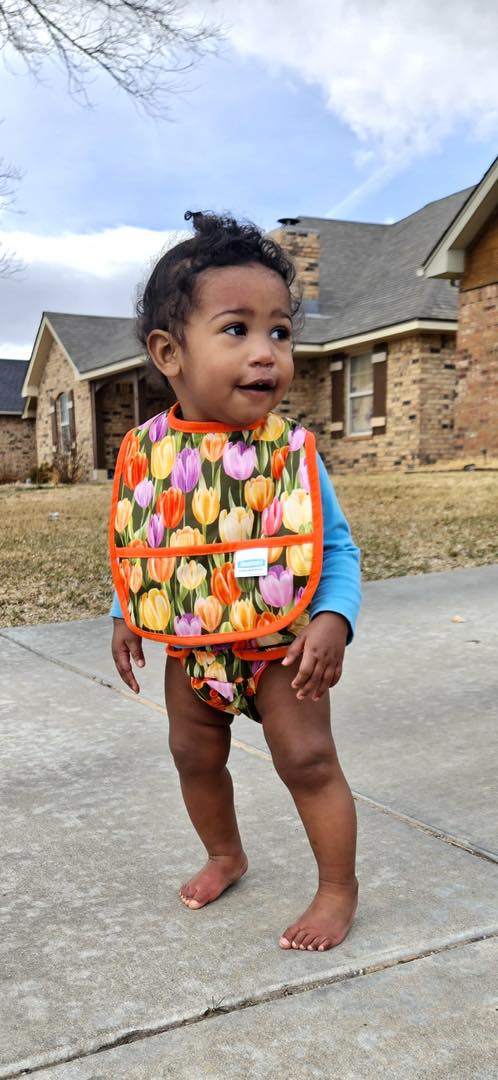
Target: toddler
point(228, 544)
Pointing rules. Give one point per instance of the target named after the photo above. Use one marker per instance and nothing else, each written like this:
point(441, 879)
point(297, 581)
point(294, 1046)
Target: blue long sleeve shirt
point(339, 586)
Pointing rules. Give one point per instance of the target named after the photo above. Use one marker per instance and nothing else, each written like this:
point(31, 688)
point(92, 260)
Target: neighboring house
point(467, 253)
point(17, 436)
point(377, 373)
point(87, 383)
point(375, 359)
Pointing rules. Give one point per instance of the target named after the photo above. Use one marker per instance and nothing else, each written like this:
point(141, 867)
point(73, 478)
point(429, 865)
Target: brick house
point(467, 253)
point(87, 383)
point(377, 373)
point(17, 436)
point(375, 359)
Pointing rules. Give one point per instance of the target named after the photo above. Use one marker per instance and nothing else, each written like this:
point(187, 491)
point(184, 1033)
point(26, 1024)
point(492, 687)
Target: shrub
point(68, 466)
point(41, 474)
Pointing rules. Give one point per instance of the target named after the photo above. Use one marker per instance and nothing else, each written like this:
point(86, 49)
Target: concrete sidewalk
point(106, 976)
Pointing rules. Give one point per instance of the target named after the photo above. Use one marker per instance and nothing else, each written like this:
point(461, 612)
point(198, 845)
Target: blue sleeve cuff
point(115, 611)
point(339, 587)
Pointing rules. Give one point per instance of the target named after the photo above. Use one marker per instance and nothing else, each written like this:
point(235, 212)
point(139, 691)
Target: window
point(63, 423)
point(360, 395)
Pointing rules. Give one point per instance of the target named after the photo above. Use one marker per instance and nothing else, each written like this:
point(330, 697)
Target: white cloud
point(82, 273)
point(401, 74)
point(100, 254)
point(15, 351)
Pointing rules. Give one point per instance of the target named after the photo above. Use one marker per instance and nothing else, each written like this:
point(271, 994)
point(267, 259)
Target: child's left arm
point(335, 605)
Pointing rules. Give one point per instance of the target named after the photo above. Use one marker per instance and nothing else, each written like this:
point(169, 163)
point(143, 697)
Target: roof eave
point(114, 369)
point(447, 258)
point(39, 356)
point(441, 326)
point(29, 411)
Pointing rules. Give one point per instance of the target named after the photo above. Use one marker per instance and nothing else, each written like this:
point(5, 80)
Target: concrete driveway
point(106, 976)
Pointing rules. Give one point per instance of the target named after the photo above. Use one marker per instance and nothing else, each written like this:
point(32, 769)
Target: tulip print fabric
point(223, 680)
point(185, 500)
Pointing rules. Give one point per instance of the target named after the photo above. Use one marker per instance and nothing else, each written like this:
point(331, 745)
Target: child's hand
point(322, 644)
point(126, 645)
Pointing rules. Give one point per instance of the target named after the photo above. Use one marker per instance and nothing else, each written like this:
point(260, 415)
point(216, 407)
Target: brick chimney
point(303, 246)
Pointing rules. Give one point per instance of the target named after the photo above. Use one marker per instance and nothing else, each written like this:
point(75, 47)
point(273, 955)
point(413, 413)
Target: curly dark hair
point(219, 240)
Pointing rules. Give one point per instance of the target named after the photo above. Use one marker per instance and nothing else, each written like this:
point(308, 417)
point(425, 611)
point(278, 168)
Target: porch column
point(94, 426)
point(97, 427)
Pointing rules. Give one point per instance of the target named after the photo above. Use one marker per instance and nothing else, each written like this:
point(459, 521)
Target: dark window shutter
point(72, 422)
point(379, 366)
point(53, 418)
point(337, 384)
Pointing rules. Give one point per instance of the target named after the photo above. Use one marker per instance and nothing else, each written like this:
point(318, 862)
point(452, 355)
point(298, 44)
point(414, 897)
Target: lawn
point(412, 523)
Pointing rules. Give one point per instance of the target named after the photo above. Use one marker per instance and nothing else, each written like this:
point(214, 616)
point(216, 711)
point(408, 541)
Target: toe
point(325, 943)
point(287, 937)
point(307, 941)
point(314, 943)
point(299, 937)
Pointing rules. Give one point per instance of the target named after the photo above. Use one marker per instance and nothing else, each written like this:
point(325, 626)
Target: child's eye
point(237, 329)
point(282, 333)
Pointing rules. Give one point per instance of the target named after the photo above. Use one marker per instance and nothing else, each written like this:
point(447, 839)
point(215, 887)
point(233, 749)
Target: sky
point(357, 109)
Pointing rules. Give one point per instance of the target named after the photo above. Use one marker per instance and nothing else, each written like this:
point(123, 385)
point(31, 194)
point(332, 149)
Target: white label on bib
point(251, 562)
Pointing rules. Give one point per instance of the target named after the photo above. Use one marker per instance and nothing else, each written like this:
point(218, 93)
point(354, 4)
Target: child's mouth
point(257, 388)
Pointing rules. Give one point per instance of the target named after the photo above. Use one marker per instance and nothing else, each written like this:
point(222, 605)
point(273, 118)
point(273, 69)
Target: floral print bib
point(191, 504)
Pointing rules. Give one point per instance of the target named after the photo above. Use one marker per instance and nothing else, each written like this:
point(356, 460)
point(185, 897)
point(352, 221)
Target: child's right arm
point(126, 646)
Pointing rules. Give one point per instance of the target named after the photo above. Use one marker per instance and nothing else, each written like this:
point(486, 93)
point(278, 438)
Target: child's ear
point(164, 352)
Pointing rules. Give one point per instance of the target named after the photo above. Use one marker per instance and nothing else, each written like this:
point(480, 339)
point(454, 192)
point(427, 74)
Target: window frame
point(354, 394)
point(64, 425)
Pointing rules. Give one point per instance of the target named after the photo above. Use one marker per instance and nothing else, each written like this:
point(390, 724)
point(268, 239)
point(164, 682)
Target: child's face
point(237, 338)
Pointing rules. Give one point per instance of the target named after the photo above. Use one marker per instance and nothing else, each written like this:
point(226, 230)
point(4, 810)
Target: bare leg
point(299, 736)
point(199, 740)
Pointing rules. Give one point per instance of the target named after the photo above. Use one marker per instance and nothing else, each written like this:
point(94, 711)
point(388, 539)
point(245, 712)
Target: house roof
point(12, 374)
point(368, 273)
point(95, 341)
point(93, 344)
point(446, 258)
point(368, 285)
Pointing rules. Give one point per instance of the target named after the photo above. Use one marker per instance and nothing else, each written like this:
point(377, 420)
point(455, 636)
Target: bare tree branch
point(139, 44)
point(9, 178)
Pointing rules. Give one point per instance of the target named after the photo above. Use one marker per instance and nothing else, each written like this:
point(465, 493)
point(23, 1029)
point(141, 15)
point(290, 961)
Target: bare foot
point(219, 872)
point(327, 920)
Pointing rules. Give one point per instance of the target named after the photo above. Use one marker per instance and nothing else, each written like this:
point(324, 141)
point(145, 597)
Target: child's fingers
point(309, 676)
point(294, 651)
point(123, 665)
point(337, 674)
point(305, 669)
point(137, 651)
point(329, 678)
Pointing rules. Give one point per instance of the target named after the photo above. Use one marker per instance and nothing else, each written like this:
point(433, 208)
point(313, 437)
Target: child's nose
point(262, 351)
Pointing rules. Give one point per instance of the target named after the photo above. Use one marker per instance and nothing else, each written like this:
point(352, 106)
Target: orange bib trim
point(181, 491)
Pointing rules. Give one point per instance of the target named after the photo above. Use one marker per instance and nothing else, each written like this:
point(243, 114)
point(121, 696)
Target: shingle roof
point(12, 375)
point(368, 281)
point(368, 274)
point(95, 341)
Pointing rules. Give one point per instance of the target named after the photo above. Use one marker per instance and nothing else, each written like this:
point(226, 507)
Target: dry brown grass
point(57, 568)
point(418, 522)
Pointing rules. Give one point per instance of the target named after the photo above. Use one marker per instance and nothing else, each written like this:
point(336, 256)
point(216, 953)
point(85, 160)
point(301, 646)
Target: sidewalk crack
point(407, 819)
point(141, 1033)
